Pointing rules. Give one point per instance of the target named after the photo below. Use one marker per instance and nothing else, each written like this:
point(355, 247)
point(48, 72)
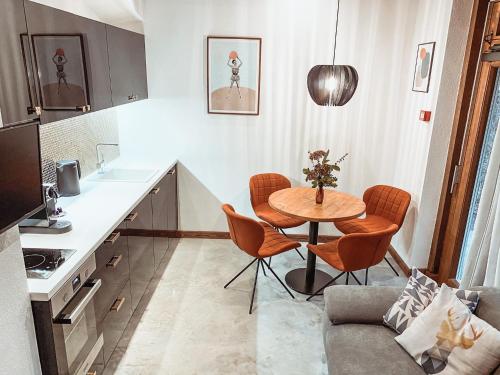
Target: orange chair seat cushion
point(372, 223)
point(276, 219)
point(275, 243)
point(329, 252)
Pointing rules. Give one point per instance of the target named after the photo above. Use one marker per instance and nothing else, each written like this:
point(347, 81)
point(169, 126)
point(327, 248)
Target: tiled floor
point(188, 323)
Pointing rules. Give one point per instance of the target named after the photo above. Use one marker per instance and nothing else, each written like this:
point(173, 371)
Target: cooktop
point(42, 263)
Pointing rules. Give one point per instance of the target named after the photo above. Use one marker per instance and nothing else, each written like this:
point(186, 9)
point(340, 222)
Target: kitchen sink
point(124, 175)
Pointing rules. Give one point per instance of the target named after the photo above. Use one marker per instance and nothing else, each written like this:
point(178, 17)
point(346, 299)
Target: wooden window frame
point(469, 124)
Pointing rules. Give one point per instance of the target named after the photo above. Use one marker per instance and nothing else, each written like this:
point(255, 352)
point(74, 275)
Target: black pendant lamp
point(332, 85)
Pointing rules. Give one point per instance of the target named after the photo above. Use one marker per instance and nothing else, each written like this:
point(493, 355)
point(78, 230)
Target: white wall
point(379, 127)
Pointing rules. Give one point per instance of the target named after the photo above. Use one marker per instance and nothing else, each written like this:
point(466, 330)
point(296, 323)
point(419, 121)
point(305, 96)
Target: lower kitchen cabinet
point(142, 265)
point(116, 320)
point(127, 260)
point(112, 267)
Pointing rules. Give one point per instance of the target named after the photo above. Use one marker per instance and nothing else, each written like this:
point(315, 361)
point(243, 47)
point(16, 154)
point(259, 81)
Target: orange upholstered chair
point(354, 252)
point(261, 187)
point(385, 205)
point(259, 240)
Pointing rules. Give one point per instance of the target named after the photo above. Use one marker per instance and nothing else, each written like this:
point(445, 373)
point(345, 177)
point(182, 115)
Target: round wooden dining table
point(300, 202)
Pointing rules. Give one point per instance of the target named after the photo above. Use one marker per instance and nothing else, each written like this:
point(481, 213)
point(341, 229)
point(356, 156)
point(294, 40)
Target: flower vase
point(320, 194)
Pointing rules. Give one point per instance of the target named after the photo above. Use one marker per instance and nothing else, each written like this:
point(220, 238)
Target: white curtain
point(483, 262)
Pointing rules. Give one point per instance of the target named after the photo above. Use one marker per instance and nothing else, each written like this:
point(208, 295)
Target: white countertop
point(94, 214)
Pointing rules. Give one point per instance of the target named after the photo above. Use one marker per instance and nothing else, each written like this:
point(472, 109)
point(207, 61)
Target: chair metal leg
point(263, 269)
point(324, 286)
point(281, 282)
point(254, 285)
point(347, 279)
point(297, 250)
point(243, 270)
point(270, 260)
point(355, 278)
point(392, 267)
point(366, 277)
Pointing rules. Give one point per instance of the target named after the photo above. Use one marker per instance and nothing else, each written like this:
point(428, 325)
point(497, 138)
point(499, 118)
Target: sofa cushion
point(488, 307)
point(361, 304)
point(448, 339)
point(359, 349)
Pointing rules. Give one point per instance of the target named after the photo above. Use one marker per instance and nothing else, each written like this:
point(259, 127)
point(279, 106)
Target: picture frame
point(423, 67)
point(61, 71)
point(233, 75)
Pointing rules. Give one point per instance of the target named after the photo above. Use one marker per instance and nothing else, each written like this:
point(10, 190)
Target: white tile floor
point(187, 323)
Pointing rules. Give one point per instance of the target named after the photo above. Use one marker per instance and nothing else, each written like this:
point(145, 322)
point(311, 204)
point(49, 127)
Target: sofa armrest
point(359, 304)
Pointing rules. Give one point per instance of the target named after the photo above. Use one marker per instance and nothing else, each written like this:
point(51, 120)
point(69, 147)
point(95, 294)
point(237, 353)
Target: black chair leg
point(281, 282)
point(243, 270)
point(324, 286)
point(254, 285)
point(355, 278)
point(297, 250)
point(366, 277)
point(270, 260)
point(347, 279)
point(263, 269)
point(392, 267)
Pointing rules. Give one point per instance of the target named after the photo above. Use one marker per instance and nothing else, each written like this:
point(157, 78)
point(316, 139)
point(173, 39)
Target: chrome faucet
point(100, 156)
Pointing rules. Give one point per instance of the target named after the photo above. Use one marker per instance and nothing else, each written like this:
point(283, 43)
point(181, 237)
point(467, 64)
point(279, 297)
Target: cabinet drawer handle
point(112, 238)
point(171, 172)
point(155, 191)
point(117, 305)
point(132, 216)
point(82, 108)
point(113, 262)
point(132, 97)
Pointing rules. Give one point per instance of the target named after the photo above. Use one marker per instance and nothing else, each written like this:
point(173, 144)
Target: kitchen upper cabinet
point(17, 100)
point(127, 63)
point(70, 59)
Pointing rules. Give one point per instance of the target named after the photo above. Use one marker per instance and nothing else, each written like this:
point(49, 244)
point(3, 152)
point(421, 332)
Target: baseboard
point(215, 235)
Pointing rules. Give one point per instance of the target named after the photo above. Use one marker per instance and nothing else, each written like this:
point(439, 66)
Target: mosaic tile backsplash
point(76, 138)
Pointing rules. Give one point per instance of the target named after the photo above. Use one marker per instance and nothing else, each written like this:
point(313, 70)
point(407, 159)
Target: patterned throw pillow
point(417, 295)
point(448, 339)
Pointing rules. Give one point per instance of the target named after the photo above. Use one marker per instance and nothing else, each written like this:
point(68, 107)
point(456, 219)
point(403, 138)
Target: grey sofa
point(356, 341)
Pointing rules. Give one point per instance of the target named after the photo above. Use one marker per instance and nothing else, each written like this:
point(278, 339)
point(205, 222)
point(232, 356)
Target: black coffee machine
point(43, 222)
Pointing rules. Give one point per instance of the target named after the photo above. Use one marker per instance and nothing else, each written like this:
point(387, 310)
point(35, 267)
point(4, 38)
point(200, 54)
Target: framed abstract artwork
point(423, 67)
point(61, 69)
point(233, 75)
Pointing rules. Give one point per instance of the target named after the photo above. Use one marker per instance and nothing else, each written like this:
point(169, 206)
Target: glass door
point(484, 159)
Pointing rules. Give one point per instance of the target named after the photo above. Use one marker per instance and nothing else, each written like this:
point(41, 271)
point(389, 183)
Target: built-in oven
point(68, 335)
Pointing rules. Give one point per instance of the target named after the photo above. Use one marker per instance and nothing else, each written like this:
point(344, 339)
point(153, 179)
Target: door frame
point(469, 124)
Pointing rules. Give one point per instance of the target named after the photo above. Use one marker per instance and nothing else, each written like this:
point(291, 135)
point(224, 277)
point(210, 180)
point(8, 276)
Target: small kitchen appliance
point(68, 177)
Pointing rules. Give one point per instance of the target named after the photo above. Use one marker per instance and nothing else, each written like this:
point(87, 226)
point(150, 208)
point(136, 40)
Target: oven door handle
point(77, 311)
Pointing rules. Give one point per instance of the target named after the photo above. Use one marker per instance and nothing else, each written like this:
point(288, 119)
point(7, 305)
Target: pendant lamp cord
point(336, 29)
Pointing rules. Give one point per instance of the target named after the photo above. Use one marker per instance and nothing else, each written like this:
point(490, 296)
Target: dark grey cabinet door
point(17, 93)
point(141, 250)
point(127, 63)
point(71, 62)
point(159, 197)
point(116, 320)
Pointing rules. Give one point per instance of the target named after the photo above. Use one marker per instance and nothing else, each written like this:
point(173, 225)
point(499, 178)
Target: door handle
point(112, 238)
point(114, 261)
point(117, 305)
point(171, 172)
point(77, 311)
point(132, 216)
point(155, 191)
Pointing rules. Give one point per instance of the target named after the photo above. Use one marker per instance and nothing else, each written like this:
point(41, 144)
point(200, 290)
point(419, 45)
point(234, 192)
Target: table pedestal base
point(296, 279)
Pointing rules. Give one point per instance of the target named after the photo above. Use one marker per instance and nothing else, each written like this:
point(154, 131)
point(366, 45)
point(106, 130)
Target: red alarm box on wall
point(425, 116)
